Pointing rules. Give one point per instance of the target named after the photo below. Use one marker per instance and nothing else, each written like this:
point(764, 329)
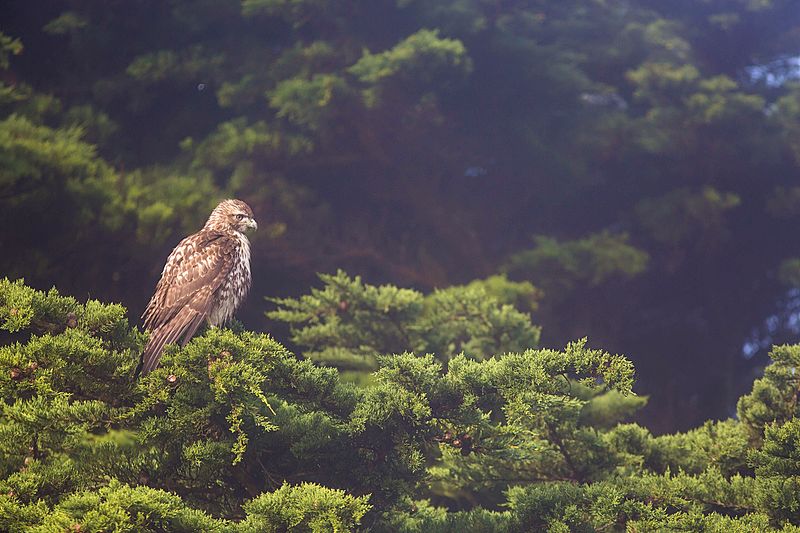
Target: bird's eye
point(240, 216)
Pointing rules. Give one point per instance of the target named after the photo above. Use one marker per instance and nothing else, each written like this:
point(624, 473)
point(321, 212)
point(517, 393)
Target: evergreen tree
point(348, 323)
point(235, 433)
point(429, 144)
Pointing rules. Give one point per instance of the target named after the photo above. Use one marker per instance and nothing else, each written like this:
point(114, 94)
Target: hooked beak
point(252, 224)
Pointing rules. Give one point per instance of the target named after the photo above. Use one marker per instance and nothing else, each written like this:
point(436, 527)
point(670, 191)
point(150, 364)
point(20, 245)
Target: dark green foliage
point(560, 267)
point(234, 433)
point(348, 323)
point(637, 160)
point(773, 398)
point(307, 507)
point(118, 507)
point(72, 419)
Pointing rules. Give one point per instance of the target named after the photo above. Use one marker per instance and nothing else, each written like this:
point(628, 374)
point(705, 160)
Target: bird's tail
point(152, 352)
point(181, 327)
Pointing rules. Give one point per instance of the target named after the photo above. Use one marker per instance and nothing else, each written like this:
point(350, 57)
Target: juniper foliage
point(235, 433)
point(348, 323)
point(627, 156)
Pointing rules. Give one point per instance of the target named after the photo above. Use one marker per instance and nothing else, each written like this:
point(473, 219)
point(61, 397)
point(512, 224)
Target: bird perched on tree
point(206, 277)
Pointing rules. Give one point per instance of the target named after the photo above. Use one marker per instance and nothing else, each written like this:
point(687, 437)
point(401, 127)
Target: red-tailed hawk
point(205, 279)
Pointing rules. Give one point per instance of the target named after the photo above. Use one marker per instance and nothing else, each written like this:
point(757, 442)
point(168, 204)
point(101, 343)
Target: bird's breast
point(235, 287)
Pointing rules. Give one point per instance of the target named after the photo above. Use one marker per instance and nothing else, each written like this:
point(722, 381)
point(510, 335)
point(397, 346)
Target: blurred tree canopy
point(636, 160)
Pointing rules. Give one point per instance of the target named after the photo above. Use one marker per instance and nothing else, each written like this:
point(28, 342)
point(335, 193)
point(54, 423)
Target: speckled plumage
point(206, 278)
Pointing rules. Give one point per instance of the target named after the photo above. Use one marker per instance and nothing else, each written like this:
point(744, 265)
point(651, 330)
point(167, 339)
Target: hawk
point(205, 279)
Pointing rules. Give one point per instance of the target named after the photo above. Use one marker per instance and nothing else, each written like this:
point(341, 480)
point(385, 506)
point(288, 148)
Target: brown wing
point(194, 272)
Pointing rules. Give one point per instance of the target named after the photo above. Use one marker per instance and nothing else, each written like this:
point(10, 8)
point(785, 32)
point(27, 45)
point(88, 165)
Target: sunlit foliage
point(235, 433)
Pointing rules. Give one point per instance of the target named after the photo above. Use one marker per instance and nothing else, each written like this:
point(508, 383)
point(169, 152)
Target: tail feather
point(181, 327)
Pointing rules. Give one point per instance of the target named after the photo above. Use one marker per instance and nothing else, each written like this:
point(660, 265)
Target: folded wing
point(184, 296)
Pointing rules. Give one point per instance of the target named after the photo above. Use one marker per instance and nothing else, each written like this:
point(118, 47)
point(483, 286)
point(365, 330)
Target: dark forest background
point(638, 161)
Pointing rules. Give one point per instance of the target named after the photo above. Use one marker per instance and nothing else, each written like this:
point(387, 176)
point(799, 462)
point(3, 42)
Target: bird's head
point(232, 215)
